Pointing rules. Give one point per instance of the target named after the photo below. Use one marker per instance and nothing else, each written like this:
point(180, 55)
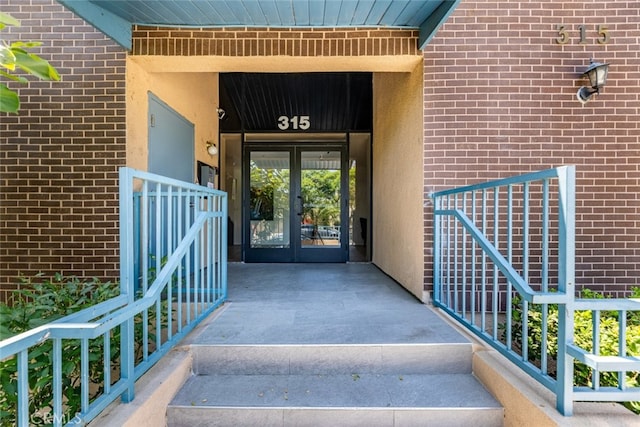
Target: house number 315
point(294, 122)
point(564, 37)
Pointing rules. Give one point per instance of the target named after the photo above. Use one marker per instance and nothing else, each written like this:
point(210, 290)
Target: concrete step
point(334, 400)
point(333, 385)
point(448, 358)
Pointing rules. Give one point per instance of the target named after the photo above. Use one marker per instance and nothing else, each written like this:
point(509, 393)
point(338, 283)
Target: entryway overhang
point(116, 18)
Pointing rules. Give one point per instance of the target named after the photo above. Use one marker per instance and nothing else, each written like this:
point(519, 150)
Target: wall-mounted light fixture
point(212, 149)
point(597, 74)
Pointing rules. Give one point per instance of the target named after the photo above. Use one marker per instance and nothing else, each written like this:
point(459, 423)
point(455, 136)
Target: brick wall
point(500, 100)
point(273, 41)
point(59, 157)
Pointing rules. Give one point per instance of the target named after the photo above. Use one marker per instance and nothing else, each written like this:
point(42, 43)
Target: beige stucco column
point(397, 227)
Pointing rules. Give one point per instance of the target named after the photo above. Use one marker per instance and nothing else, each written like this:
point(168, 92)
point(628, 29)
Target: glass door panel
point(269, 204)
point(321, 195)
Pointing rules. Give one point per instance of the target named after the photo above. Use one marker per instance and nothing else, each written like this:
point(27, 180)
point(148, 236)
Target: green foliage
point(609, 338)
point(15, 56)
point(39, 301)
point(321, 196)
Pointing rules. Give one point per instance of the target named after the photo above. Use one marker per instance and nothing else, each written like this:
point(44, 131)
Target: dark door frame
point(296, 252)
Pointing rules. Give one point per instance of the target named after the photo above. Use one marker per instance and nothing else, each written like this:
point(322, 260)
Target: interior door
point(295, 204)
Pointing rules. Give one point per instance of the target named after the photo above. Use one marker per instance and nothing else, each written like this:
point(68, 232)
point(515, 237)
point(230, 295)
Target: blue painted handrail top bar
point(608, 304)
point(174, 182)
point(513, 180)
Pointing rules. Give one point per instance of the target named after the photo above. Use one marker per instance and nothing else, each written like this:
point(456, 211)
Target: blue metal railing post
point(127, 363)
point(436, 250)
point(225, 247)
point(566, 284)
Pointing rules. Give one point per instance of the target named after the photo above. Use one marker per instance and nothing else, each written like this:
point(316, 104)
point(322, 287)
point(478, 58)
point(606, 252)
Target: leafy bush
point(43, 300)
point(609, 336)
point(39, 301)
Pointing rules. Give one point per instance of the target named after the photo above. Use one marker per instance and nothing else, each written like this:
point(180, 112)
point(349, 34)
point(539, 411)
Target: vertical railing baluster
point(57, 382)
point(483, 284)
point(210, 258)
point(455, 257)
point(525, 271)
point(84, 375)
point(181, 207)
point(145, 225)
point(171, 226)
point(160, 261)
point(23, 388)
point(622, 345)
point(158, 322)
point(146, 259)
point(448, 246)
point(196, 260)
point(218, 248)
point(437, 250)
point(189, 272)
point(595, 345)
point(464, 260)
point(509, 296)
point(203, 265)
point(496, 233)
point(106, 361)
point(545, 273)
point(473, 263)
point(158, 232)
point(137, 241)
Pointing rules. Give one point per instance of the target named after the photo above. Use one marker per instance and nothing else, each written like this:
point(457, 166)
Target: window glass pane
point(320, 184)
point(269, 199)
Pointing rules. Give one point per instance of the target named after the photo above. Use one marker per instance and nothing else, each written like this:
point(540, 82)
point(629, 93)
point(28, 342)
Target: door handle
point(301, 206)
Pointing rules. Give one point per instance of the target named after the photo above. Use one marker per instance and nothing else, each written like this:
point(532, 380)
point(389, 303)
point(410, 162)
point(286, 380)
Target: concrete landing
point(322, 304)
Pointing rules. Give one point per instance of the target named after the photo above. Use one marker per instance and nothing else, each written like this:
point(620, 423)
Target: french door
point(296, 203)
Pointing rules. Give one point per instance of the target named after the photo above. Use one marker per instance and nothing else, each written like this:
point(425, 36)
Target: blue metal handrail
point(512, 242)
point(185, 280)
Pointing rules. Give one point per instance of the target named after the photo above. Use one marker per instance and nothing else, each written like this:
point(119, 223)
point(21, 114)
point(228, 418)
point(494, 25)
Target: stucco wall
point(397, 231)
point(193, 95)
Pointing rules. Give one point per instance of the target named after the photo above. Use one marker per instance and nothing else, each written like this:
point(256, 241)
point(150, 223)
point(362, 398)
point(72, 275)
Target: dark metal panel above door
point(313, 102)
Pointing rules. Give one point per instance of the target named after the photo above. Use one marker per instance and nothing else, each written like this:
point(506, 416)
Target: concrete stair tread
point(416, 391)
point(448, 358)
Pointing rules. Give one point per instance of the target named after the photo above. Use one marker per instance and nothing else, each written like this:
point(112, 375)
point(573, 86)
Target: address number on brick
point(601, 32)
point(294, 122)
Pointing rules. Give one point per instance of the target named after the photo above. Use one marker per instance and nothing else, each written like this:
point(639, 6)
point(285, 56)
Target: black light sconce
point(597, 74)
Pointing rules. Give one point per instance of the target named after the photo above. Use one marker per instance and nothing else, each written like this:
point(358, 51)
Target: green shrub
point(39, 301)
